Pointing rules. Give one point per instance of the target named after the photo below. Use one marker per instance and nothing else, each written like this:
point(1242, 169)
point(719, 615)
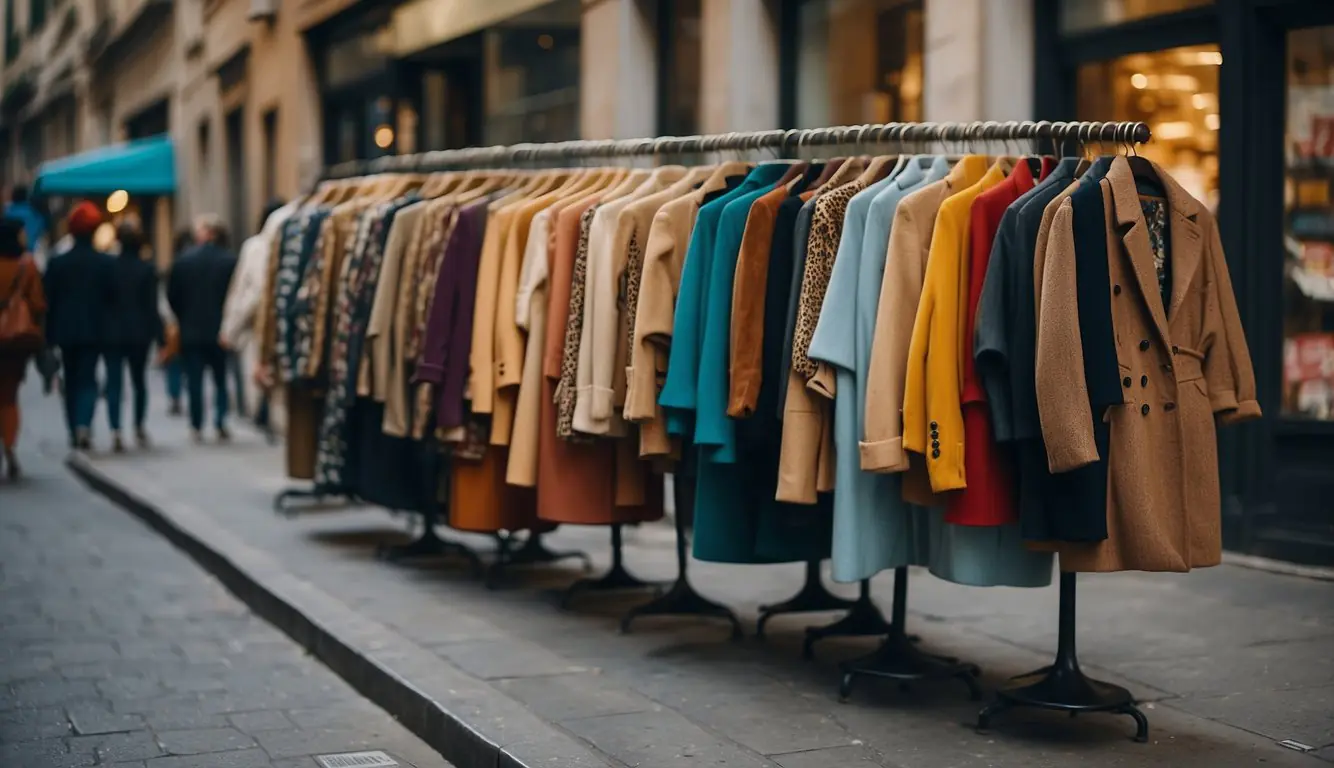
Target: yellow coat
point(932, 414)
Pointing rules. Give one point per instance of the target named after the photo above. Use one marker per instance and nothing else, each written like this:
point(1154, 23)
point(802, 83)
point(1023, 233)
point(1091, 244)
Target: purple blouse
point(447, 341)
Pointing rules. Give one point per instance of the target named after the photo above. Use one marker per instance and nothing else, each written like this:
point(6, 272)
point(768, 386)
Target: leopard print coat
point(821, 250)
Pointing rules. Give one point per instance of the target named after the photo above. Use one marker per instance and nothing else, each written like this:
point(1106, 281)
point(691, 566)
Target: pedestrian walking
point(80, 296)
point(33, 222)
point(22, 311)
point(132, 328)
point(197, 291)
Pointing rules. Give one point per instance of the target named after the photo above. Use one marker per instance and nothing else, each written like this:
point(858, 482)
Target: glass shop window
point(1175, 91)
point(531, 65)
point(1084, 15)
point(1308, 242)
point(859, 61)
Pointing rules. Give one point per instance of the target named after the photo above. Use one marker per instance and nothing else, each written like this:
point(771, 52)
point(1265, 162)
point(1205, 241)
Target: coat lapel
point(1187, 245)
point(1135, 236)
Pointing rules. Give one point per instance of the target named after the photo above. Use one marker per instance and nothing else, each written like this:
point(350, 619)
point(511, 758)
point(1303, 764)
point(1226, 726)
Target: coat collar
point(1186, 244)
point(718, 179)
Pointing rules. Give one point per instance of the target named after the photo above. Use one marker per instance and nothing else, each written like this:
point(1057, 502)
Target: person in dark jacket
point(131, 330)
point(197, 290)
point(80, 297)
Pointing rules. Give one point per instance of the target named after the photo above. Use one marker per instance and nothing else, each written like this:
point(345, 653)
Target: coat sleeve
point(653, 319)
point(900, 291)
point(1227, 358)
point(606, 318)
point(1063, 402)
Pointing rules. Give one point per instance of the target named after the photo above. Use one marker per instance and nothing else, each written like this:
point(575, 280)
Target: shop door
point(447, 97)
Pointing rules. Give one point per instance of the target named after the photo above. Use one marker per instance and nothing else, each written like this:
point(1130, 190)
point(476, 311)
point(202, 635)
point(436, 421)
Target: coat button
point(934, 425)
point(1116, 289)
point(1169, 406)
point(1126, 382)
point(1144, 381)
point(1144, 409)
point(1143, 345)
point(935, 454)
point(1174, 349)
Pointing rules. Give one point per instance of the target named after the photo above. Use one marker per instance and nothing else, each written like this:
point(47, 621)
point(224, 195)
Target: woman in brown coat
point(19, 277)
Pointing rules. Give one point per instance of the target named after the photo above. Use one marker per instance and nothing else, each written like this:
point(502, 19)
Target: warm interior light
point(1139, 80)
point(1211, 121)
point(546, 42)
point(384, 137)
point(1199, 101)
point(117, 201)
point(1174, 130)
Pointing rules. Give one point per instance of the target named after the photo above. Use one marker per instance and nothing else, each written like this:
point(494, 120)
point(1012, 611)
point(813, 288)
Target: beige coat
point(900, 293)
point(664, 256)
point(1163, 500)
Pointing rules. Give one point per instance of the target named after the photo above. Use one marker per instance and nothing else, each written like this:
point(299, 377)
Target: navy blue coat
point(134, 320)
point(81, 295)
point(197, 291)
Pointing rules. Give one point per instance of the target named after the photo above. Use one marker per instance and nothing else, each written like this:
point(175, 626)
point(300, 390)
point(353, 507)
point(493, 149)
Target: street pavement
point(1226, 662)
point(116, 649)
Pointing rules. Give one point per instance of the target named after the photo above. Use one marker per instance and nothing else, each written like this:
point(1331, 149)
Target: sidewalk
point(1225, 662)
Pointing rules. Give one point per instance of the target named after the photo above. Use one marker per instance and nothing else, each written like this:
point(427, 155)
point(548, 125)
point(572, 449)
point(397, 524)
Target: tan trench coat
point(1163, 501)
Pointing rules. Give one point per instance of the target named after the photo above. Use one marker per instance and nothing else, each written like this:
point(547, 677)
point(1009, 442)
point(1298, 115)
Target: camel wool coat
point(1188, 367)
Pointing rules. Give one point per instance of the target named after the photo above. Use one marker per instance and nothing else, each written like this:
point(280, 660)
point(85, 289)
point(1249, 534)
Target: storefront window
point(1082, 15)
point(1308, 264)
point(679, 66)
point(1176, 92)
point(859, 61)
point(532, 76)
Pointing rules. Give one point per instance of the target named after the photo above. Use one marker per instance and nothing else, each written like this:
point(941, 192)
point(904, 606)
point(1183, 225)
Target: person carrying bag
point(22, 311)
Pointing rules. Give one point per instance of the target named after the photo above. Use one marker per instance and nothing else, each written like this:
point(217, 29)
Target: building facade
point(260, 95)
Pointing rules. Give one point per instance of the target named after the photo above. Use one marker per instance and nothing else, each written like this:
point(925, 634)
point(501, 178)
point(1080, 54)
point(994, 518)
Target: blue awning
point(140, 167)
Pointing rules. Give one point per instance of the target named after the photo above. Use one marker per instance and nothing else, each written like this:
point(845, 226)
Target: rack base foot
point(813, 598)
point(428, 545)
point(1066, 689)
point(616, 579)
point(282, 503)
point(683, 600)
point(533, 551)
point(864, 620)
point(898, 659)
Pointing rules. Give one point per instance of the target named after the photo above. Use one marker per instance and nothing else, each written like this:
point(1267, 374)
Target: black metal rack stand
point(682, 599)
point(430, 544)
point(863, 620)
point(533, 551)
point(1063, 686)
point(282, 502)
point(617, 579)
point(898, 659)
point(813, 598)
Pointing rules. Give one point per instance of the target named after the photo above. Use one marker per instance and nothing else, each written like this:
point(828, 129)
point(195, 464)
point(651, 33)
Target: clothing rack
point(1061, 686)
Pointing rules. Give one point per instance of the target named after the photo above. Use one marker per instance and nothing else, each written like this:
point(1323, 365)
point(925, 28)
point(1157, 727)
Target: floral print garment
point(352, 308)
point(300, 241)
point(1155, 217)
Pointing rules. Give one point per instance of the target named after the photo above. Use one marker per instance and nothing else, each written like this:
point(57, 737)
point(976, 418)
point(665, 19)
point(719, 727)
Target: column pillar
point(739, 82)
point(618, 70)
point(979, 60)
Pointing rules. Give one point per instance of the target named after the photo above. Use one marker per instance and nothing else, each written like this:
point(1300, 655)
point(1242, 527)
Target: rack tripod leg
point(898, 659)
point(616, 579)
point(682, 599)
point(429, 544)
point(533, 551)
point(1063, 687)
point(864, 619)
point(812, 598)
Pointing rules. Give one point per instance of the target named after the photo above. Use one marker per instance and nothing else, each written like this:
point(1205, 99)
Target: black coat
point(197, 290)
point(80, 296)
point(135, 320)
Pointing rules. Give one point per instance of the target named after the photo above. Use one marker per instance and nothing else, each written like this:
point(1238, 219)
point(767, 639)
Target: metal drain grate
point(357, 760)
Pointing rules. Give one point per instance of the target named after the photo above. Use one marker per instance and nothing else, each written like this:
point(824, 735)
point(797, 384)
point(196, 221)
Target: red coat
point(991, 497)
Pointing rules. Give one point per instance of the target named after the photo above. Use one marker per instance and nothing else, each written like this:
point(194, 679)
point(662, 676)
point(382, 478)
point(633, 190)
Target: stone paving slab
point(1226, 661)
point(117, 650)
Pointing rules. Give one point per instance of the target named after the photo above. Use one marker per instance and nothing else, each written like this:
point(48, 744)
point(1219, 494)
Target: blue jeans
point(117, 360)
point(214, 358)
point(80, 386)
point(175, 379)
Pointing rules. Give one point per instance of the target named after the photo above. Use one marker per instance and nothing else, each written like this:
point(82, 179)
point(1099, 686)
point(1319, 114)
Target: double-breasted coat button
point(1144, 409)
point(1169, 406)
point(1175, 350)
point(1143, 345)
point(934, 425)
point(1126, 382)
point(1144, 381)
point(1116, 289)
point(935, 453)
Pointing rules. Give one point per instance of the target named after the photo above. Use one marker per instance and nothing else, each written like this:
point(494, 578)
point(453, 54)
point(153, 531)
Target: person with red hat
point(80, 292)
